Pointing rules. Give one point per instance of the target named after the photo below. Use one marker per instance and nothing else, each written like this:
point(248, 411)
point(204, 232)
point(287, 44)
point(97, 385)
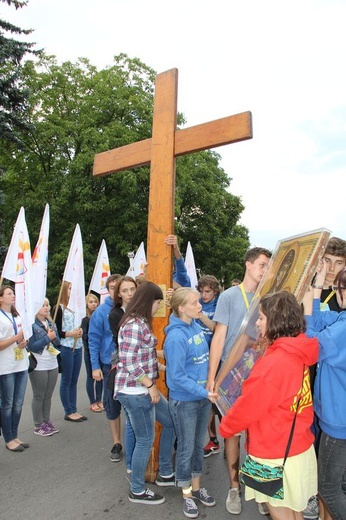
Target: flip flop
point(95, 408)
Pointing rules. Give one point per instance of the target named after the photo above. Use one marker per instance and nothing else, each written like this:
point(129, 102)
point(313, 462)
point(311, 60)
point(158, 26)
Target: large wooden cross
point(160, 151)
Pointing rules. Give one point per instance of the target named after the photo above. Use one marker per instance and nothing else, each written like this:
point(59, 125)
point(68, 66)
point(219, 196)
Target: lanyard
point(330, 295)
point(12, 320)
point(246, 301)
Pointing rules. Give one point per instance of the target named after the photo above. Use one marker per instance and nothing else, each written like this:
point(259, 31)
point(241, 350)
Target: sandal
point(100, 405)
point(95, 408)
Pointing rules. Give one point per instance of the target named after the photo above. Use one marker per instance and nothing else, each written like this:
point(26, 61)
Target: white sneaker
point(233, 503)
point(263, 508)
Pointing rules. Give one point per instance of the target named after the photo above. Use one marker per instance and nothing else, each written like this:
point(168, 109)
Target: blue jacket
point(209, 310)
point(187, 360)
point(101, 345)
point(180, 273)
point(40, 339)
point(330, 385)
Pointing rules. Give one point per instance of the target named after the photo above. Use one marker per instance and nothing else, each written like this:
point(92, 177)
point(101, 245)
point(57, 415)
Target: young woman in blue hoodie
point(187, 361)
point(330, 390)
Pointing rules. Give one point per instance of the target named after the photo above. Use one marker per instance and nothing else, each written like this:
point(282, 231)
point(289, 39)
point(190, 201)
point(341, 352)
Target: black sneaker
point(189, 508)
point(202, 495)
point(165, 481)
point(147, 497)
point(116, 454)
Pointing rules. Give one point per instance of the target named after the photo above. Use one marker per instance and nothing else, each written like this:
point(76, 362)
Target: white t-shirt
point(45, 361)
point(12, 359)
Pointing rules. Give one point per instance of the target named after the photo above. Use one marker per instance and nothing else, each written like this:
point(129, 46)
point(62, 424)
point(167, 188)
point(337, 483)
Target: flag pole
point(57, 304)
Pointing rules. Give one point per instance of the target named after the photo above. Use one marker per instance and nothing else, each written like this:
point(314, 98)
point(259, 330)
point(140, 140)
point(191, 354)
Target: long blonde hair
point(48, 303)
point(180, 297)
point(90, 296)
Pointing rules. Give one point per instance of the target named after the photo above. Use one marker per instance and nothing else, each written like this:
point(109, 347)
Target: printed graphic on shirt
point(304, 394)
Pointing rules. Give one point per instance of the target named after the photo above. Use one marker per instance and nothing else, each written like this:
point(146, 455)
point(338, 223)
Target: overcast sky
point(283, 61)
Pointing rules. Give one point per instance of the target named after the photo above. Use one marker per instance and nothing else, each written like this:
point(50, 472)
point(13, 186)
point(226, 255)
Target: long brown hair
point(340, 282)
point(64, 297)
point(142, 303)
point(3, 288)
point(284, 315)
point(117, 299)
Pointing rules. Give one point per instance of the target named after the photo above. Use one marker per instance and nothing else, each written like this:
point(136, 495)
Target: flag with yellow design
point(138, 263)
point(18, 269)
point(101, 273)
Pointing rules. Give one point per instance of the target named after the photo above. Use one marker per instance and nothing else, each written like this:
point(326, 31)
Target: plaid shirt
point(137, 354)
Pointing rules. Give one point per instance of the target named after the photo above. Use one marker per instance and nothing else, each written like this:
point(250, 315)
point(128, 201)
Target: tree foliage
point(13, 93)
point(76, 111)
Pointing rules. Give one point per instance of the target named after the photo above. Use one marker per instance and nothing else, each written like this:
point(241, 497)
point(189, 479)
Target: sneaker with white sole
point(233, 503)
point(43, 430)
point(212, 448)
point(312, 510)
point(116, 454)
point(202, 495)
point(147, 497)
point(165, 481)
point(263, 508)
point(189, 508)
point(51, 427)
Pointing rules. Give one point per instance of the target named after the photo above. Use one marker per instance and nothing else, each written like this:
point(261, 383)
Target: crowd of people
point(291, 408)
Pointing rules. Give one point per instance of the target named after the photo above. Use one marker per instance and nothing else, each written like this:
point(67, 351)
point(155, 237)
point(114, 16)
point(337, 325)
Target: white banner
point(18, 269)
point(190, 266)
point(74, 273)
point(101, 273)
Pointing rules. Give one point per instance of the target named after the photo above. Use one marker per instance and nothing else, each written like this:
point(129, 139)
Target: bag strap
point(289, 442)
point(293, 424)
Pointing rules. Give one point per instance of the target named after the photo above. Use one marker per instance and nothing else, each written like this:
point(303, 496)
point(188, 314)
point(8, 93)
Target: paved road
point(69, 475)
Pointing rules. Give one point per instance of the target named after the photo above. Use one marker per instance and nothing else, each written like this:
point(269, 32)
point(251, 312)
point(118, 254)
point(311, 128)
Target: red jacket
point(267, 404)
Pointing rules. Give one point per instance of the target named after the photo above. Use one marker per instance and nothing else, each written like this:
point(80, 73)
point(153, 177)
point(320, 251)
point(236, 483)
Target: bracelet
point(315, 286)
point(152, 384)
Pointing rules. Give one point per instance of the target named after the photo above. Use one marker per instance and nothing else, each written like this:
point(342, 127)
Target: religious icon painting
point(291, 268)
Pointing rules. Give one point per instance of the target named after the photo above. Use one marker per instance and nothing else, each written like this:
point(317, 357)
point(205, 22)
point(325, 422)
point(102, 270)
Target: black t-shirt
point(332, 303)
point(114, 319)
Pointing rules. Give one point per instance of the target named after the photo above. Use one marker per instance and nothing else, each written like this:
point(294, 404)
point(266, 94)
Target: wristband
point(316, 286)
point(152, 384)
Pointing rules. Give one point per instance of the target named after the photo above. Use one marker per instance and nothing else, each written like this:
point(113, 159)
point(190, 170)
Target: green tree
point(76, 111)
point(13, 93)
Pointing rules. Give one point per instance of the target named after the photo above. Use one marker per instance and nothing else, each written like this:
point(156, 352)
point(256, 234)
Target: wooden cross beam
point(160, 151)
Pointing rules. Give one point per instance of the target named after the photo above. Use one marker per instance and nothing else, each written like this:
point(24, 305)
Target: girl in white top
point(13, 369)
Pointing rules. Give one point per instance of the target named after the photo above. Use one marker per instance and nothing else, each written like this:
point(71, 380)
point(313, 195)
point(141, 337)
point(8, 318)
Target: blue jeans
point(130, 442)
point(332, 474)
point(112, 406)
point(71, 361)
point(190, 420)
point(12, 392)
point(93, 388)
point(142, 414)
